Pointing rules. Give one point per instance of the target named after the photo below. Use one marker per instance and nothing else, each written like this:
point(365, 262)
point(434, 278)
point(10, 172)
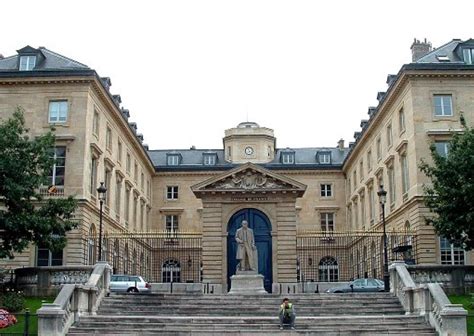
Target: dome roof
point(248, 124)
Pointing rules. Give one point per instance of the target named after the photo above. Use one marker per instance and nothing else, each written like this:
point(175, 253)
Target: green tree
point(451, 194)
point(25, 216)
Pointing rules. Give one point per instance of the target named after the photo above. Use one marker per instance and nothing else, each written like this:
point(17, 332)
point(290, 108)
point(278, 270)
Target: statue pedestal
point(247, 283)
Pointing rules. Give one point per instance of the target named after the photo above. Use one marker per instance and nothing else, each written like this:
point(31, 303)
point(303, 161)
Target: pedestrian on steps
point(287, 314)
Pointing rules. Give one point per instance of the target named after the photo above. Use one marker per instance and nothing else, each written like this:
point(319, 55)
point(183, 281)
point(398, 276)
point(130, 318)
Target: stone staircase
point(316, 314)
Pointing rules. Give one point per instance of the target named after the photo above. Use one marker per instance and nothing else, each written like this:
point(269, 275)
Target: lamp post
point(101, 191)
point(386, 277)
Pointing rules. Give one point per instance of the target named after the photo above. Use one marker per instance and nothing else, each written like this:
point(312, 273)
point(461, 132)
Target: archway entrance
point(261, 226)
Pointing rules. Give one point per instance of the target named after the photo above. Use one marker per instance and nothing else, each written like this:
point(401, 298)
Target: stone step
point(252, 313)
point(219, 320)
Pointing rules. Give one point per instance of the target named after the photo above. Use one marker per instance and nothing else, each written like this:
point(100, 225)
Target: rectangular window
point(95, 123)
point(450, 253)
point(172, 160)
point(371, 204)
point(135, 173)
point(405, 177)
point(135, 211)
point(56, 175)
point(45, 257)
point(361, 170)
point(94, 163)
point(327, 221)
point(379, 148)
point(401, 120)
point(391, 184)
point(326, 190)
point(443, 105)
point(172, 192)
point(468, 55)
point(209, 160)
point(118, 195)
point(128, 164)
point(119, 150)
point(142, 182)
point(58, 111)
point(288, 158)
point(107, 177)
point(171, 222)
point(389, 136)
point(355, 179)
point(442, 148)
point(27, 63)
point(108, 139)
point(324, 158)
point(362, 210)
point(127, 205)
point(369, 160)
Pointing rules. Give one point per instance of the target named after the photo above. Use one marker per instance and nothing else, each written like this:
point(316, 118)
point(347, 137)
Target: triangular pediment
point(250, 178)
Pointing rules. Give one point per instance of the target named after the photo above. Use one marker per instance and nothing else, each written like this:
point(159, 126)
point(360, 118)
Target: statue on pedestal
point(246, 249)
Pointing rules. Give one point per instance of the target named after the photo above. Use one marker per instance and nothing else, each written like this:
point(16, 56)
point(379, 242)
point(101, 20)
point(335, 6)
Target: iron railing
point(158, 256)
point(343, 256)
point(321, 256)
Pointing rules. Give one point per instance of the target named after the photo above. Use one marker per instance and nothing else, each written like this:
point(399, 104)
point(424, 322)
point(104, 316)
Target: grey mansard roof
point(192, 159)
point(447, 53)
point(49, 61)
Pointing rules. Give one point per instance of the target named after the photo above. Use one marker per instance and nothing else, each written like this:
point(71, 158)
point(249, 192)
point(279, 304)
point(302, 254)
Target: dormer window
point(288, 157)
point(173, 159)
point(324, 157)
point(468, 55)
point(209, 159)
point(27, 63)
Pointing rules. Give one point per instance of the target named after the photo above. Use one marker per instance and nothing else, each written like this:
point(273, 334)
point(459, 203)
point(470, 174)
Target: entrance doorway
point(261, 226)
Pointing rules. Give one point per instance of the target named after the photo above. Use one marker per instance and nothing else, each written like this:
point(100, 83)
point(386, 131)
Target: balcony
point(51, 191)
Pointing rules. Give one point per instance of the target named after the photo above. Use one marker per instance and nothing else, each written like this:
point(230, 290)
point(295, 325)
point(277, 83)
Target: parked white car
point(128, 283)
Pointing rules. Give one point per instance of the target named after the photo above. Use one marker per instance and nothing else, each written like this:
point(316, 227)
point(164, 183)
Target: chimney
point(146, 147)
point(192, 147)
point(140, 137)
point(1, 57)
point(420, 49)
point(133, 126)
point(340, 144)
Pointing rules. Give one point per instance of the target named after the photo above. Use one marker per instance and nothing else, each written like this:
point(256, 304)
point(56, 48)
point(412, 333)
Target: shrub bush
point(13, 301)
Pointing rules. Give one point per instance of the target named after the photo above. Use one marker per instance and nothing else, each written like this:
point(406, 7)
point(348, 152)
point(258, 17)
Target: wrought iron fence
point(342, 256)
point(321, 256)
point(159, 256)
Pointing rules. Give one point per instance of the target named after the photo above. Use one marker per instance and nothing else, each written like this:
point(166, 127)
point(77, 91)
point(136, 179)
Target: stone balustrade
point(47, 280)
point(455, 279)
point(428, 300)
point(73, 301)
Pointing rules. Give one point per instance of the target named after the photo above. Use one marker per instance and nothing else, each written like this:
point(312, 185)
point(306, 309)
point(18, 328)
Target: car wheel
point(337, 291)
point(132, 290)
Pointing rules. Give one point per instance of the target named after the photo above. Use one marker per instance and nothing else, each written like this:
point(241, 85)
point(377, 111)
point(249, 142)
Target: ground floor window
point(450, 253)
point(328, 270)
point(171, 271)
point(46, 257)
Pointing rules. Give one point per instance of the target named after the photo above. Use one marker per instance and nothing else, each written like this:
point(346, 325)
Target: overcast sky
point(188, 70)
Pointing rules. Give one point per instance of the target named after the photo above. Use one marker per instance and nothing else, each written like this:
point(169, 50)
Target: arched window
point(351, 263)
point(328, 269)
point(116, 256)
point(142, 266)
point(358, 264)
point(125, 259)
point(171, 271)
point(364, 262)
point(374, 260)
point(91, 246)
point(134, 262)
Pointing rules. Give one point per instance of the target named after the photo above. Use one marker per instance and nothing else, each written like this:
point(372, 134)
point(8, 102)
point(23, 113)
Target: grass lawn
point(33, 303)
point(465, 300)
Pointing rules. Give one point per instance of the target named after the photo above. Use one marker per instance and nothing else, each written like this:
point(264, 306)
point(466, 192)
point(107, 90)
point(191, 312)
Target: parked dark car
point(359, 285)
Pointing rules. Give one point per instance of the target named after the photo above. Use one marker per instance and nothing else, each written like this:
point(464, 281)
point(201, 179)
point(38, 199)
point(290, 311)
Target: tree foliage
point(451, 194)
point(25, 216)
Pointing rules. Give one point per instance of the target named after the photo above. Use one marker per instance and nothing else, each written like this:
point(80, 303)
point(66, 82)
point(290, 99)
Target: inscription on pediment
point(247, 180)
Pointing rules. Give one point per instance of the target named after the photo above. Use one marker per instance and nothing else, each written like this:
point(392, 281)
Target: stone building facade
point(286, 193)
